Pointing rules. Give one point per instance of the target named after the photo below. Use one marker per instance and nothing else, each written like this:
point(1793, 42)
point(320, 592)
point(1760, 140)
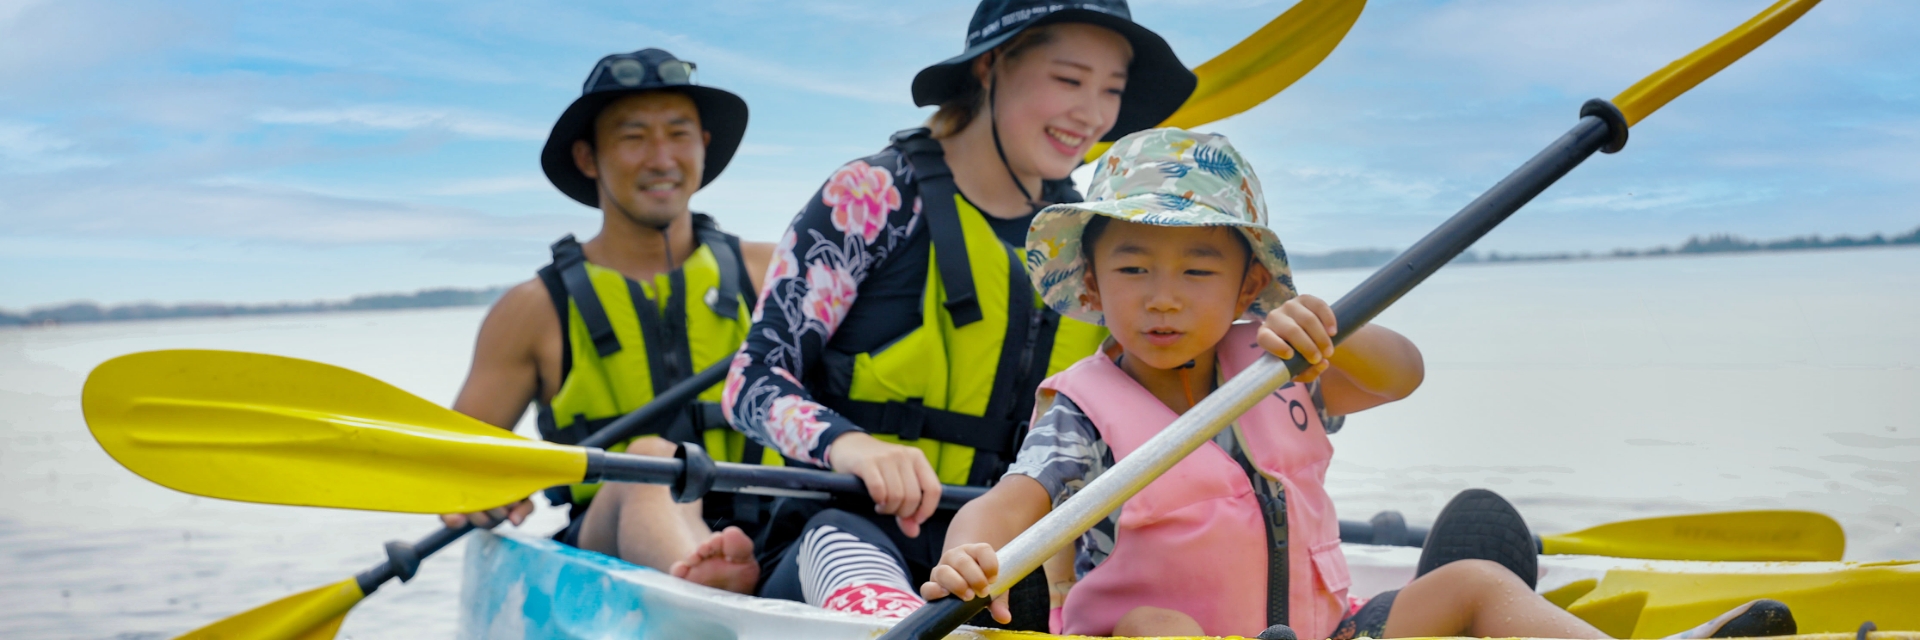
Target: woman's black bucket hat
point(722, 114)
point(1157, 84)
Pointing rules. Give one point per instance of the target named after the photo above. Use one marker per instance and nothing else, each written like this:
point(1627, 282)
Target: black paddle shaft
point(1601, 127)
point(404, 559)
point(691, 474)
point(662, 406)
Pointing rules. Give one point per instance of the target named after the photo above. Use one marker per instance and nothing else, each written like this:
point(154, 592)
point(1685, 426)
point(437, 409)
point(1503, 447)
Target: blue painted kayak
point(522, 587)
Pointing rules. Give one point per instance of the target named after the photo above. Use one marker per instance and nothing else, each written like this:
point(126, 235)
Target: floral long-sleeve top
point(848, 274)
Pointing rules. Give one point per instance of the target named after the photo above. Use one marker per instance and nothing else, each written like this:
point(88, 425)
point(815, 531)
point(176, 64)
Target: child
point(1170, 249)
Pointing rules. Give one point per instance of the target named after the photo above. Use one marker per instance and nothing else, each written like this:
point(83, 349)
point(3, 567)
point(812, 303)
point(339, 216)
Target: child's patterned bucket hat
point(1165, 177)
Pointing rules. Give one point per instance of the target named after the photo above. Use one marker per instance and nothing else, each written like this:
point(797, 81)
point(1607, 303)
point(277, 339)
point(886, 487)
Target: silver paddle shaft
point(1025, 553)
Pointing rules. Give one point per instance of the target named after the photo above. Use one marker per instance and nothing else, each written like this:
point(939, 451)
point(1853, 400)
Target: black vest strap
point(935, 182)
point(911, 420)
point(725, 248)
point(571, 262)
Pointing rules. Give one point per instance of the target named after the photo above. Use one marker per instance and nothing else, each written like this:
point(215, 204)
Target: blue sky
point(243, 152)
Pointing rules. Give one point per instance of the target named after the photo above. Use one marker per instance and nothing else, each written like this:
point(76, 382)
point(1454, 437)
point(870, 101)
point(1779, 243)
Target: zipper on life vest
point(1273, 512)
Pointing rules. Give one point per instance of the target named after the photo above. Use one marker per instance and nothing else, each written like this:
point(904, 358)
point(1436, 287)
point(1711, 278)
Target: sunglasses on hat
point(630, 71)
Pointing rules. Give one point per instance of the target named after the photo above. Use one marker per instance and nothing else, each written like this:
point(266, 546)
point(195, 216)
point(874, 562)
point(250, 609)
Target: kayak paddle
point(1732, 536)
point(258, 428)
point(1602, 127)
point(316, 614)
point(219, 424)
point(1262, 65)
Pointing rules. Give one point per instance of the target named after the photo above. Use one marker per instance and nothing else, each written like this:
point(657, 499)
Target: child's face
point(1169, 294)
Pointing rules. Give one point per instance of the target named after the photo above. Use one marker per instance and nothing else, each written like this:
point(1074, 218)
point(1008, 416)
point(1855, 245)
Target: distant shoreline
point(1696, 245)
point(89, 312)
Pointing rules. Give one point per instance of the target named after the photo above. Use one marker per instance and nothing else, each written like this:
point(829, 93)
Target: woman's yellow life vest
point(960, 387)
point(628, 340)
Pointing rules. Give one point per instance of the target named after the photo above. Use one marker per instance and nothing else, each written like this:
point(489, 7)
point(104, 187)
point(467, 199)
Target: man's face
point(647, 156)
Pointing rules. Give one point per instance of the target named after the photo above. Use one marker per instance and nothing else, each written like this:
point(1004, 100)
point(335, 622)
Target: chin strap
point(666, 242)
point(993, 122)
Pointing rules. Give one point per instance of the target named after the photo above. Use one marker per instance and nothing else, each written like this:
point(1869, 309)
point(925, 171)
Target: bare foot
point(724, 561)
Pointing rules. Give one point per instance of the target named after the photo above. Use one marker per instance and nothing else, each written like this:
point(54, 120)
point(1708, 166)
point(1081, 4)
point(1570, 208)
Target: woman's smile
point(1067, 143)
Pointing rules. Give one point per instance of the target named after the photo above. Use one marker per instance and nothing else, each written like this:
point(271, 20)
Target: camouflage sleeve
point(1062, 451)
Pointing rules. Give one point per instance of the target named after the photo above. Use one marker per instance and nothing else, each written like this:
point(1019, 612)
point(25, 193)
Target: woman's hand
point(1305, 324)
point(965, 571)
point(898, 477)
point(515, 513)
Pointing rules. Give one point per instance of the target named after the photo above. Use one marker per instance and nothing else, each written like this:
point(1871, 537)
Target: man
point(660, 294)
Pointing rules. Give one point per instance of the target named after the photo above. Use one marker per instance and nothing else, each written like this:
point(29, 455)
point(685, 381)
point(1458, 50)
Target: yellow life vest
point(628, 340)
point(940, 387)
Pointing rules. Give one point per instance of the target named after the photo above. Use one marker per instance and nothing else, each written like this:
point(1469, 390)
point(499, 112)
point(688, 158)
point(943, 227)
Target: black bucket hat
point(722, 114)
point(1157, 84)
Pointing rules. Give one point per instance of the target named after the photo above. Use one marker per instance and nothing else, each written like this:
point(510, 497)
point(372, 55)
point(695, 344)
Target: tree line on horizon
point(91, 312)
point(1341, 259)
point(1715, 243)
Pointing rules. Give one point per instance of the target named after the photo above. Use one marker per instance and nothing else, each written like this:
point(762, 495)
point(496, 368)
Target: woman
point(899, 338)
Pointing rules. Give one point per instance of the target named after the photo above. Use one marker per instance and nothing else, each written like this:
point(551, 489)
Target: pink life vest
point(1193, 541)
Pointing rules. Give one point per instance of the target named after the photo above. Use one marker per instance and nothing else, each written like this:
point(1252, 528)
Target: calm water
point(1585, 392)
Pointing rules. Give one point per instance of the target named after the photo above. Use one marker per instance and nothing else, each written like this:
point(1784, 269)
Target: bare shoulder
point(524, 304)
point(521, 318)
point(516, 358)
point(757, 256)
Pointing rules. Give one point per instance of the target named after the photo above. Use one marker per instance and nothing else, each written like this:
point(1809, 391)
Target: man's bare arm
point(757, 255)
point(505, 376)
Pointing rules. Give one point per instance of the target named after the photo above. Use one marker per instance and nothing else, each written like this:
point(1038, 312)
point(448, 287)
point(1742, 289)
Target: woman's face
point(1058, 98)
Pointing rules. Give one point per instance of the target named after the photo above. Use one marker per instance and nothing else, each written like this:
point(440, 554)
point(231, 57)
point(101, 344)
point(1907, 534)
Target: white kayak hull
point(518, 587)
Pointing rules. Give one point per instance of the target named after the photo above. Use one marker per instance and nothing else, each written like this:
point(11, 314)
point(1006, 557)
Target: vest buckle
point(910, 416)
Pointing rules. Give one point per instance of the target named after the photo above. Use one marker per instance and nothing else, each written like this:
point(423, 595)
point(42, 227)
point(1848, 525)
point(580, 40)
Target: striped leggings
point(846, 562)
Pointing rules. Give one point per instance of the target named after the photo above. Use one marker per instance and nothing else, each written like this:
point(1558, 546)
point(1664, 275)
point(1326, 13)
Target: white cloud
point(259, 213)
point(491, 186)
point(27, 148)
point(751, 149)
point(402, 118)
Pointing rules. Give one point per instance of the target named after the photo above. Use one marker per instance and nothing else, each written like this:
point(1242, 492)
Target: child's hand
point(965, 571)
point(1306, 324)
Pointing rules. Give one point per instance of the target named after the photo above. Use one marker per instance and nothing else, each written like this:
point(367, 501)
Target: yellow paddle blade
point(1752, 536)
point(1262, 65)
point(1653, 92)
point(315, 614)
point(1824, 599)
point(260, 428)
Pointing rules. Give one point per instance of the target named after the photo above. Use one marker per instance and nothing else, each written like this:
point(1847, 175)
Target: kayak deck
point(522, 587)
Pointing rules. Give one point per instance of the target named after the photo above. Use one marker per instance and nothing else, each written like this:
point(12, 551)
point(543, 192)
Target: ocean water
point(1585, 392)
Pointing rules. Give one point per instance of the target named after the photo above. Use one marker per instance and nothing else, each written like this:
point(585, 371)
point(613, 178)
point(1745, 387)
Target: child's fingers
point(1297, 337)
point(1324, 311)
point(984, 556)
point(1316, 331)
point(931, 591)
point(951, 581)
point(1313, 372)
point(1274, 344)
point(975, 578)
point(1001, 612)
